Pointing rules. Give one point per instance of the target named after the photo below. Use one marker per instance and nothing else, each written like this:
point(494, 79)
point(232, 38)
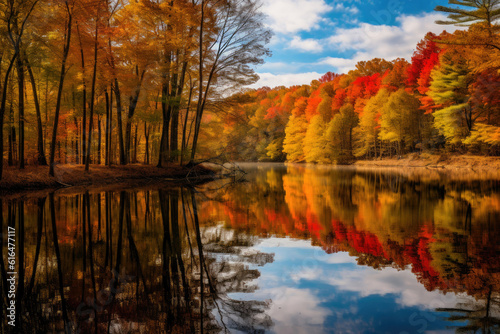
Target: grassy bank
point(37, 177)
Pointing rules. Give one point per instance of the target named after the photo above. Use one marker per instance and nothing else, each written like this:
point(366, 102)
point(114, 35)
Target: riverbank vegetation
point(106, 82)
point(446, 100)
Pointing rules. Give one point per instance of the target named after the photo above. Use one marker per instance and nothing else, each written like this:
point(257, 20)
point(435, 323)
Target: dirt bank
point(436, 161)
point(432, 166)
point(37, 177)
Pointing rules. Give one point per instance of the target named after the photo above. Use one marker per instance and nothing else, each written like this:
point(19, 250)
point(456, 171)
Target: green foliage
point(399, 121)
point(339, 135)
point(484, 133)
point(275, 150)
point(367, 130)
point(475, 11)
point(449, 89)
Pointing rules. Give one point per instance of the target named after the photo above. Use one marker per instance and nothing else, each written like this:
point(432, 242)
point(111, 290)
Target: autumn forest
point(211, 166)
point(447, 99)
point(117, 82)
point(154, 82)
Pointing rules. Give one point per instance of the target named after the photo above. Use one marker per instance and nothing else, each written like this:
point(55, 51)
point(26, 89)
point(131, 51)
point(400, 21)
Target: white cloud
point(274, 80)
point(339, 7)
point(387, 41)
point(296, 311)
point(309, 44)
point(364, 41)
point(284, 242)
point(341, 65)
point(367, 281)
point(292, 16)
point(381, 41)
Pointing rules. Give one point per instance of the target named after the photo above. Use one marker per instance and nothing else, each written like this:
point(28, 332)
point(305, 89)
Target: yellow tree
point(399, 120)
point(369, 124)
point(315, 141)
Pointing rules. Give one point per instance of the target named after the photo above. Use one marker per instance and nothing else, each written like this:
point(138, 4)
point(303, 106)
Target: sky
point(312, 37)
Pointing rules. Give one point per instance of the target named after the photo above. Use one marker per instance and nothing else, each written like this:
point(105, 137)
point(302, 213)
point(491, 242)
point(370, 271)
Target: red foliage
point(339, 99)
point(426, 48)
point(300, 106)
point(327, 77)
point(364, 87)
point(312, 106)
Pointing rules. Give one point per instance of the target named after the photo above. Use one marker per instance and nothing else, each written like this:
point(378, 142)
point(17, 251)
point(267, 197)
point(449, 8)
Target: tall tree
point(40, 141)
point(239, 40)
point(67, 41)
point(399, 121)
point(93, 87)
point(449, 90)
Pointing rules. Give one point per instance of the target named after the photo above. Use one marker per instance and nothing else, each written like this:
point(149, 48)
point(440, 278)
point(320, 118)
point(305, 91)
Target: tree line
point(447, 99)
point(108, 81)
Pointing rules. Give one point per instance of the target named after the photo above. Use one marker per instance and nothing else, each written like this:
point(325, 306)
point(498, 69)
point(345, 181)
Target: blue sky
point(312, 37)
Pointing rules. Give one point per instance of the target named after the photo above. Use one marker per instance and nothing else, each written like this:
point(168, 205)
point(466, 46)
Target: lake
point(282, 249)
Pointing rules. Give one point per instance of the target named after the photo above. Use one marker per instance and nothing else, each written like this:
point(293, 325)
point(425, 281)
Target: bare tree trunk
point(77, 154)
point(146, 135)
point(166, 111)
point(135, 142)
point(134, 98)
point(99, 132)
point(120, 124)
point(60, 89)
point(12, 135)
point(41, 151)
point(20, 101)
point(184, 126)
point(106, 145)
point(177, 88)
point(84, 102)
point(92, 93)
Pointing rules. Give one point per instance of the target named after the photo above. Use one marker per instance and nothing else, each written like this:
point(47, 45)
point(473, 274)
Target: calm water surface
point(293, 249)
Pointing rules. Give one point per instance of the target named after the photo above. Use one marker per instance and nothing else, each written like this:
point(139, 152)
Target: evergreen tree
point(475, 11)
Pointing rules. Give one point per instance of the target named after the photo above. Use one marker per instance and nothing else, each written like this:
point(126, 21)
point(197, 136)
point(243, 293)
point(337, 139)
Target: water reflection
point(139, 267)
point(294, 249)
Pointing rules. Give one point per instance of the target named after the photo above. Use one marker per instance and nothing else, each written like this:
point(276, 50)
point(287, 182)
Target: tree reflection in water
point(174, 259)
point(147, 275)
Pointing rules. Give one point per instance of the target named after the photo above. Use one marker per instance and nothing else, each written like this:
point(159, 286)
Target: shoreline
point(36, 178)
point(443, 161)
point(415, 166)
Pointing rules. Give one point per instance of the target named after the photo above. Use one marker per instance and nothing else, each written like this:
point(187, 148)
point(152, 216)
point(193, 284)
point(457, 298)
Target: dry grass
point(37, 177)
point(455, 167)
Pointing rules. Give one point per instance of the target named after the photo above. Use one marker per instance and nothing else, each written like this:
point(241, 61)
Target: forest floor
point(37, 177)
